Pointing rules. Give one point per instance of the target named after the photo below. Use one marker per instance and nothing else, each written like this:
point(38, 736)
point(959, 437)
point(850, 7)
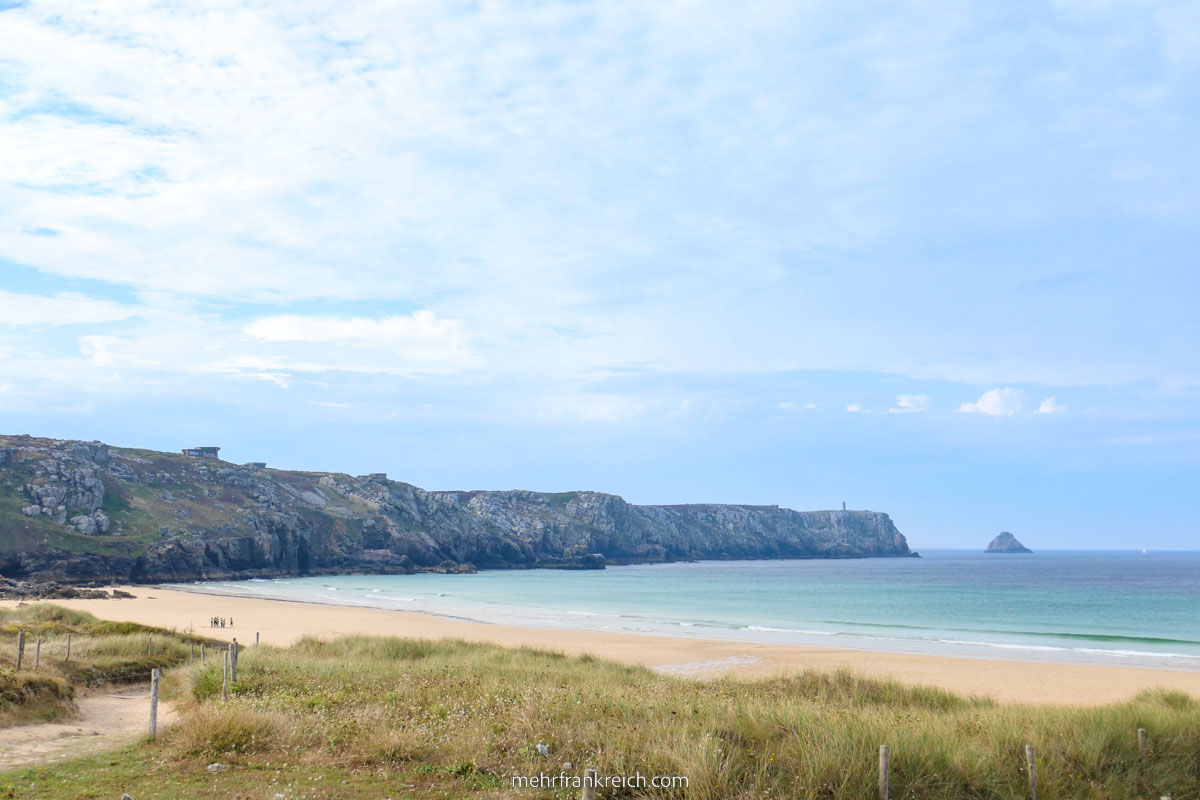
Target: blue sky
point(937, 259)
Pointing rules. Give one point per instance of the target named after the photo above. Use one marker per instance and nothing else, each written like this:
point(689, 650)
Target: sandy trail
point(105, 719)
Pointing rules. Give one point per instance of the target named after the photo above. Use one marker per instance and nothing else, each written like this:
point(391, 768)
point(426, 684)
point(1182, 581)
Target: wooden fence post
point(68, 658)
point(191, 652)
point(256, 637)
point(1031, 763)
point(883, 771)
point(1142, 758)
point(589, 784)
point(150, 647)
point(154, 676)
point(20, 648)
point(37, 654)
point(225, 676)
point(233, 657)
point(203, 660)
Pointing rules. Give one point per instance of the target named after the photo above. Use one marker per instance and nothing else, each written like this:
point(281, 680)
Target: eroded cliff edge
point(84, 511)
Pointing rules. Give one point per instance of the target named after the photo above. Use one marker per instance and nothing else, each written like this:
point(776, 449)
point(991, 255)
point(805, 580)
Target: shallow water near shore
point(1078, 607)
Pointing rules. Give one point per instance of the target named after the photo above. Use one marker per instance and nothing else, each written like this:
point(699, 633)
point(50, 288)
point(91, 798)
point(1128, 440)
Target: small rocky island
point(1006, 543)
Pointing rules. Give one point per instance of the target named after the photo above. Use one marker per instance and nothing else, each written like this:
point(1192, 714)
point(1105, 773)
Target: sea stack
point(1006, 543)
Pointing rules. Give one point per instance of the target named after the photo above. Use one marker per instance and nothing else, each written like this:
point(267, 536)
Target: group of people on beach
point(219, 622)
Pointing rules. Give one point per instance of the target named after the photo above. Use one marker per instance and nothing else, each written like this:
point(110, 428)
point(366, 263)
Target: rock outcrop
point(81, 511)
point(22, 590)
point(1006, 543)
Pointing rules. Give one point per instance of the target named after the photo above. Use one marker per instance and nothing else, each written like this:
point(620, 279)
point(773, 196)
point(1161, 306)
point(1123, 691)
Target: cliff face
point(84, 511)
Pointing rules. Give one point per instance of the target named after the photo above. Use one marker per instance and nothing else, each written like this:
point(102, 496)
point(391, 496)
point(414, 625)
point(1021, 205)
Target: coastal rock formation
point(1006, 543)
point(81, 511)
point(22, 590)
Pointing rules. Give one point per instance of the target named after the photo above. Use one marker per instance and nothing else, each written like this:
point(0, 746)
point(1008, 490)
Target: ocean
point(1076, 607)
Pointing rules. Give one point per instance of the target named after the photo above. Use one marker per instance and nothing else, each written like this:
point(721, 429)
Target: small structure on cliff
point(201, 452)
point(1006, 543)
point(300, 522)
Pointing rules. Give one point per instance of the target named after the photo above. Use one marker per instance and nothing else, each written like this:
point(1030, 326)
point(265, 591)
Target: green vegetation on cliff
point(75, 511)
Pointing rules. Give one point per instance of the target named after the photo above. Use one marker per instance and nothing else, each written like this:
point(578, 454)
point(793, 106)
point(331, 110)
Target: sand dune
point(281, 622)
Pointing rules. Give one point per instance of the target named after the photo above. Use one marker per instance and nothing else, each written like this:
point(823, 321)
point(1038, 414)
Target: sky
point(937, 259)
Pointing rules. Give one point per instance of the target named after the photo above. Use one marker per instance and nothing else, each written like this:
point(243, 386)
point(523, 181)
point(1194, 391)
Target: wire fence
point(71, 654)
point(104, 658)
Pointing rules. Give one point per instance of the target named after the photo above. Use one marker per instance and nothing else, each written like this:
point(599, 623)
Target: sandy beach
point(282, 622)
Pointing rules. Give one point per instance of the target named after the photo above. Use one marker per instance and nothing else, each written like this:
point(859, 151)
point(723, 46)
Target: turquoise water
point(1131, 609)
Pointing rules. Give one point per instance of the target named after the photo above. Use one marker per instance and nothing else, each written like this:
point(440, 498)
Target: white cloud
point(168, 350)
point(280, 379)
point(580, 188)
point(854, 408)
point(60, 309)
point(996, 403)
point(98, 349)
point(418, 342)
point(419, 328)
point(1051, 406)
point(909, 403)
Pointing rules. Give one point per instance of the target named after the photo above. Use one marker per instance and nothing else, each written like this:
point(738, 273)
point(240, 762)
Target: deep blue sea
point(1121, 608)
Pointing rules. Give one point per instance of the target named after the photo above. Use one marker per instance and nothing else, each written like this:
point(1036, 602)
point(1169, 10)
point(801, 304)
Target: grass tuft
point(213, 731)
point(1168, 698)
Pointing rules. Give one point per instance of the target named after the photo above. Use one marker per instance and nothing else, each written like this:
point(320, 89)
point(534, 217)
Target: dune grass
point(400, 717)
point(101, 652)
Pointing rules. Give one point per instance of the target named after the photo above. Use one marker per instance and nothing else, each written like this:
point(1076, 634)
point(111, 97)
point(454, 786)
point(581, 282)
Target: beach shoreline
point(283, 622)
point(659, 603)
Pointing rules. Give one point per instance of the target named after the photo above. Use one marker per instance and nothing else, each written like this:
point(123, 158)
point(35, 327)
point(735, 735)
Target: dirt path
point(106, 719)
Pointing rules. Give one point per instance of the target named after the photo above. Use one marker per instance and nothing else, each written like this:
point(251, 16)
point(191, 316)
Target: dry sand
point(282, 622)
point(103, 720)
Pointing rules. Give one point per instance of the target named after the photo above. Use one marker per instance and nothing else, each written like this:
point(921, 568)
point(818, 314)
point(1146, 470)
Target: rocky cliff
point(84, 511)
